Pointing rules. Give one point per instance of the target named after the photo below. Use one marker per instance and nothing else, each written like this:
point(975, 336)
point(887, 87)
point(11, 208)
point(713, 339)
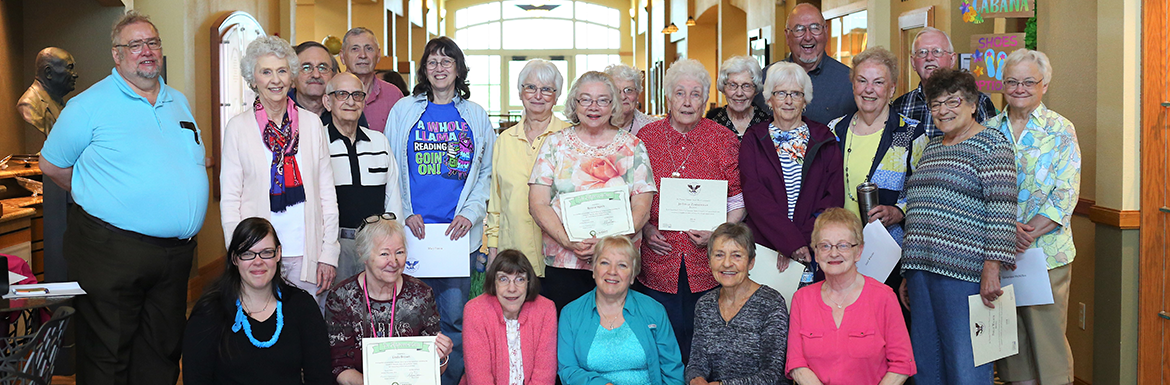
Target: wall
point(12, 126)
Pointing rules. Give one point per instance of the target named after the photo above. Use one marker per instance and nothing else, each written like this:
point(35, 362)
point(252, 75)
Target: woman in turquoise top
point(612, 335)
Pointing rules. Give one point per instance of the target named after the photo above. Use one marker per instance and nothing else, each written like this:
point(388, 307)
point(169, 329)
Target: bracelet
point(444, 363)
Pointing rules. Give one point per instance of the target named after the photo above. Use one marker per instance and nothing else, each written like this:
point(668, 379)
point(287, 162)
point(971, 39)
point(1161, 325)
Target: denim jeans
point(941, 332)
point(450, 296)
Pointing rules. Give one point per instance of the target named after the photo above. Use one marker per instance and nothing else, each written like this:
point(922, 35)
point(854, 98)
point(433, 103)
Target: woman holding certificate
point(689, 154)
point(606, 175)
point(790, 168)
point(380, 301)
point(249, 315)
point(612, 335)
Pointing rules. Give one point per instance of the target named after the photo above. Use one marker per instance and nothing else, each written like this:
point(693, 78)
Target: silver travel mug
point(867, 199)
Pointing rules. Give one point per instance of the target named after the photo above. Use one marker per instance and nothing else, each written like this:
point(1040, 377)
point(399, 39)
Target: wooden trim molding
point(1122, 219)
point(1152, 338)
point(206, 274)
point(1083, 206)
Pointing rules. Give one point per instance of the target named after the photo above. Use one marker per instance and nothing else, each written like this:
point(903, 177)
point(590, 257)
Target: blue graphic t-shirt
point(440, 151)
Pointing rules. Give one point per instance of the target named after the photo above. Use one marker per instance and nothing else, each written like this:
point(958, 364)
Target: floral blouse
point(568, 165)
point(348, 320)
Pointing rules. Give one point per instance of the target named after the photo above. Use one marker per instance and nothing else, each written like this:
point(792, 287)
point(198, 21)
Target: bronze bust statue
point(42, 102)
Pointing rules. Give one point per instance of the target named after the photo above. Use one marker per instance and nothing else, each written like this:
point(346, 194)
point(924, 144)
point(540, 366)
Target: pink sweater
point(871, 341)
point(485, 342)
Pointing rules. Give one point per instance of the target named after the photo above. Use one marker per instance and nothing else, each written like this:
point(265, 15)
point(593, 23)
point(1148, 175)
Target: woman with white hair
point(791, 170)
point(592, 154)
point(629, 84)
point(509, 225)
point(685, 145)
point(740, 79)
point(276, 166)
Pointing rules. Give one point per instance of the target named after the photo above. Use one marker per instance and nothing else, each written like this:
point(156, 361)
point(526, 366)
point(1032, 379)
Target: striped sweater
point(960, 207)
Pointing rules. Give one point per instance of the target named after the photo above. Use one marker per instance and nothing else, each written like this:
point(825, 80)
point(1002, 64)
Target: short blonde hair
point(620, 244)
point(590, 77)
point(1021, 55)
point(878, 55)
point(836, 216)
point(370, 234)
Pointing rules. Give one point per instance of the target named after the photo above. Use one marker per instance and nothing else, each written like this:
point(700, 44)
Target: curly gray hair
point(627, 73)
point(786, 72)
point(542, 71)
point(268, 45)
point(591, 77)
point(738, 64)
point(687, 69)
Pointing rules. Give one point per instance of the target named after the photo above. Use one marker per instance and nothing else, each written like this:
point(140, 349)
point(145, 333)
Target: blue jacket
point(473, 200)
point(578, 324)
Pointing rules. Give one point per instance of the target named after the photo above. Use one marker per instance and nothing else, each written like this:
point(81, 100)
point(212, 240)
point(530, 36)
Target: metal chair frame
point(30, 359)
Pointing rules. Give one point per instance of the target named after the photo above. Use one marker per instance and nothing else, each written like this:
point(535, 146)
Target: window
point(847, 36)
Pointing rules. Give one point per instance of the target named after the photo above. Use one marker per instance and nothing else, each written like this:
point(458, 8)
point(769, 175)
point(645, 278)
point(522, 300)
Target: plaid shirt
point(913, 106)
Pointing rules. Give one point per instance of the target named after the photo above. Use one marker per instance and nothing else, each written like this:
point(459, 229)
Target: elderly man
point(365, 173)
point(41, 104)
point(807, 34)
point(317, 67)
point(360, 54)
point(130, 146)
point(932, 50)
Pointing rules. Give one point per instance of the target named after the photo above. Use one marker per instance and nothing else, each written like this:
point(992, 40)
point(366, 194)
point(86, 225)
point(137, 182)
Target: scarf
point(793, 142)
point(285, 176)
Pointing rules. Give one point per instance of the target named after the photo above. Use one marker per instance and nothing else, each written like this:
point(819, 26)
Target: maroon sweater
point(766, 199)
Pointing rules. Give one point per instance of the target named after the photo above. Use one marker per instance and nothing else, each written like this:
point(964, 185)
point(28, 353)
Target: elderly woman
point(509, 224)
point(612, 335)
point(592, 154)
point(366, 305)
point(629, 82)
point(276, 166)
point(251, 312)
point(511, 331)
point(1048, 165)
point(740, 79)
point(740, 330)
point(686, 146)
point(444, 150)
point(873, 347)
point(790, 168)
point(960, 229)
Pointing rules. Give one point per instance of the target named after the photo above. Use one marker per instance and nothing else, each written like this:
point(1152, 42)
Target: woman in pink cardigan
point(510, 331)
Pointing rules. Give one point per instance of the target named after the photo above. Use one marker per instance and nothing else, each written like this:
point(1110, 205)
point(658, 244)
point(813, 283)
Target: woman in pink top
point(510, 331)
point(847, 329)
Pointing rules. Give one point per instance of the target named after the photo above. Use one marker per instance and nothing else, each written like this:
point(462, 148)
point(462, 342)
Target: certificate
point(993, 331)
point(691, 204)
point(765, 273)
point(597, 213)
point(400, 360)
point(880, 254)
point(437, 256)
point(1030, 278)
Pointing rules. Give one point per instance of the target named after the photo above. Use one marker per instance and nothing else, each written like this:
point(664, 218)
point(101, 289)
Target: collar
point(1038, 117)
point(626, 308)
point(375, 90)
point(555, 125)
point(335, 134)
point(164, 95)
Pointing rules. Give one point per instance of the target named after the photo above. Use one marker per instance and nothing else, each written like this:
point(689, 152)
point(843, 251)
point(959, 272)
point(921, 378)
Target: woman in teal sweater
point(612, 335)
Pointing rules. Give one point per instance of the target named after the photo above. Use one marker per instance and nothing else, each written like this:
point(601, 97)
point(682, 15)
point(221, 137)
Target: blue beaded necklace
point(242, 322)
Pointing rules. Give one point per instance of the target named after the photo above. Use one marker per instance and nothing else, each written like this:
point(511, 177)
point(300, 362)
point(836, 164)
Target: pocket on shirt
point(865, 344)
point(379, 170)
point(814, 344)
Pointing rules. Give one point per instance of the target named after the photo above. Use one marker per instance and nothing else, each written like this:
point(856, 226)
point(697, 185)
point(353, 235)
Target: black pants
point(130, 323)
point(565, 285)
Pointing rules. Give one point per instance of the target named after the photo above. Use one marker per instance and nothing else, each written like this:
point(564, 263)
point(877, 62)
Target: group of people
point(323, 176)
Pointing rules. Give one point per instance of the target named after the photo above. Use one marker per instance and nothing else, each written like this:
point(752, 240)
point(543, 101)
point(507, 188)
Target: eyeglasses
point(603, 102)
point(248, 255)
point(358, 96)
point(951, 103)
point(136, 46)
point(376, 218)
point(746, 87)
point(446, 63)
point(629, 91)
point(532, 88)
point(816, 28)
point(1028, 83)
point(937, 52)
point(785, 95)
point(842, 247)
point(321, 68)
point(505, 281)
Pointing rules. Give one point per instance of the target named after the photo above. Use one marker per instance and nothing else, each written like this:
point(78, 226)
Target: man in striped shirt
point(364, 172)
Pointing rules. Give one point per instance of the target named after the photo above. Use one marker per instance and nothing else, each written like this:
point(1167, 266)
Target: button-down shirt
point(913, 105)
point(380, 100)
point(832, 91)
point(509, 224)
point(365, 174)
point(709, 151)
point(1048, 163)
point(136, 165)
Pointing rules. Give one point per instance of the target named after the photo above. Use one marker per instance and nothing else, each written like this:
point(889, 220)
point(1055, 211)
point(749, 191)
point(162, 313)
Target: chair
point(30, 359)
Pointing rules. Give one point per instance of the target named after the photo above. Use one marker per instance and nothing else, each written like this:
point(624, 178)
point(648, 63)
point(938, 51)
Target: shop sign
point(987, 62)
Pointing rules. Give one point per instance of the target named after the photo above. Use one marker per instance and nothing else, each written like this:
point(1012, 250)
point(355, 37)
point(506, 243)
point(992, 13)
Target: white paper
point(13, 278)
point(993, 331)
point(880, 254)
point(437, 256)
point(691, 204)
point(765, 273)
point(1030, 278)
point(597, 213)
point(56, 289)
point(400, 360)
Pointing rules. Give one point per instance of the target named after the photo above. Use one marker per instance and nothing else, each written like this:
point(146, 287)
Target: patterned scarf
point(792, 142)
point(287, 188)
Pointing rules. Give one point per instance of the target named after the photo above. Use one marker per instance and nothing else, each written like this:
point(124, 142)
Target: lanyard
point(369, 310)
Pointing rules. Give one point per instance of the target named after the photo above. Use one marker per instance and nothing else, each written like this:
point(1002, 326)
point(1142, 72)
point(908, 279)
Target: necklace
point(613, 319)
point(241, 322)
point(370, 311)
point(683, 167)
point(852, 193)
point(840, 305)
point(249, 311)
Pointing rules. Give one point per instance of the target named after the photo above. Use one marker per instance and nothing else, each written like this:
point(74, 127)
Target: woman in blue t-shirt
point(443, 144)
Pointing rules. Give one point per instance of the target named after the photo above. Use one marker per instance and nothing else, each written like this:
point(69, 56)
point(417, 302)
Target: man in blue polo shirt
point(806, 35)
point(129, 152)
